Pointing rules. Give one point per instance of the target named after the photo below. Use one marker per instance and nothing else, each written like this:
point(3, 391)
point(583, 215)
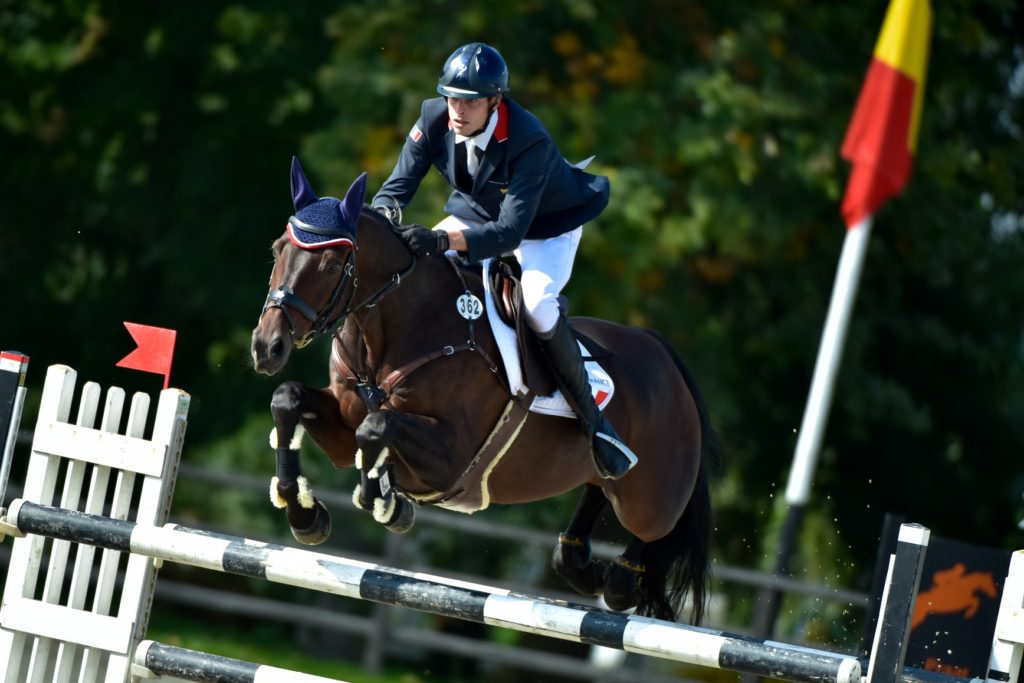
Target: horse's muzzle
point(271, 351)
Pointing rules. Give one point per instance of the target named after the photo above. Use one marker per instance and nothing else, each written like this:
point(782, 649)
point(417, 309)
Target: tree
point(147, 150)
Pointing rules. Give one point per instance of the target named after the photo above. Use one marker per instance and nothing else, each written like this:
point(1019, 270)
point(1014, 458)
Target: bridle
point(325, 321)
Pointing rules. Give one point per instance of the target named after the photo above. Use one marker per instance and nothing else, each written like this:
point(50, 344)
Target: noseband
point(324, 321)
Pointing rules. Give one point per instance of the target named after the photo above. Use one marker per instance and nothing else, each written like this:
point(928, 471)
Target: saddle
point(508, 299)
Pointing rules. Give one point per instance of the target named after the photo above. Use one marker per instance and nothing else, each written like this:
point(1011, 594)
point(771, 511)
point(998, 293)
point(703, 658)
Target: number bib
point(469, 306)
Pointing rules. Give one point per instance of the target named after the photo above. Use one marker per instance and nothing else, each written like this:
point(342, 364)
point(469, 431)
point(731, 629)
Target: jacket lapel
point(493, 156)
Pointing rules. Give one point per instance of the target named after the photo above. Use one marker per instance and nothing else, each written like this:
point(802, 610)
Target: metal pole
point(13, 367)
point(812, 428)
point(897, 609)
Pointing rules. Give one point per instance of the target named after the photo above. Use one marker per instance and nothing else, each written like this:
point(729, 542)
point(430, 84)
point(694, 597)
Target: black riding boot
point(612, 457)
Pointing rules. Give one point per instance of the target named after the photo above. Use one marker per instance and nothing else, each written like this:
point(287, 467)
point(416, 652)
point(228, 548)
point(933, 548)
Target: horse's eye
point(333, 267)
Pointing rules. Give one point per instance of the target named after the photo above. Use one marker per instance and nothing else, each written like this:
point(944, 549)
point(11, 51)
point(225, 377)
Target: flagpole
point(819, 399)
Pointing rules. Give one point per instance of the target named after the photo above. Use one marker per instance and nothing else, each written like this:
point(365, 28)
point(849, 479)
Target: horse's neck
point(381, 259)
point(382, 253)
point(354, 350)
point(412, 319)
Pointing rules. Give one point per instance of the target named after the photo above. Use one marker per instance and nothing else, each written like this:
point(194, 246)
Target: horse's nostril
point(277, 348)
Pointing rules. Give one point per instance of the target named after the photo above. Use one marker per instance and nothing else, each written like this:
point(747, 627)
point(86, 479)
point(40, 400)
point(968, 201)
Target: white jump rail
point(439, 595)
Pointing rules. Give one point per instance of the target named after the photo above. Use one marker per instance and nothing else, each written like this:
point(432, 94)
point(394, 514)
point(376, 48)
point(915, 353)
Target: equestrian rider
point(513, 192)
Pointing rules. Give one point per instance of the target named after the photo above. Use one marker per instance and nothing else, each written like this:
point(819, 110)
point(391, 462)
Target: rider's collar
point(481, 139)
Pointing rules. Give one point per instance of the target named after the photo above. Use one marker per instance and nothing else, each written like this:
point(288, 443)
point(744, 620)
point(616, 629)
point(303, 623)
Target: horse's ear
point(302, 193)
point(352, 205)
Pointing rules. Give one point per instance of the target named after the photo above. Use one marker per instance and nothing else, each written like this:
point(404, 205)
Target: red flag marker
point(155, 350)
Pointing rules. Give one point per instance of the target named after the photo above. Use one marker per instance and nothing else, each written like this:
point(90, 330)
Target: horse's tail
point(679, 563)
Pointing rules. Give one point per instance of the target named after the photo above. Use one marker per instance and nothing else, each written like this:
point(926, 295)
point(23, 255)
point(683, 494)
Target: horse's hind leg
point(624, 578)
point(572, 559)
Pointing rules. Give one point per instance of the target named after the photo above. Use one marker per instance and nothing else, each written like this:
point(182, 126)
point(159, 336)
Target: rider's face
point(468, 116)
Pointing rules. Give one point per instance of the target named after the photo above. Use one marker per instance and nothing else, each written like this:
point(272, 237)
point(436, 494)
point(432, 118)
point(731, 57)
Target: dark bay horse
point(417, 400)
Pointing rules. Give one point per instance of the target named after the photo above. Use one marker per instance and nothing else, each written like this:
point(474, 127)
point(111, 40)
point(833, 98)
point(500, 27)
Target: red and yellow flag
point(882, 137)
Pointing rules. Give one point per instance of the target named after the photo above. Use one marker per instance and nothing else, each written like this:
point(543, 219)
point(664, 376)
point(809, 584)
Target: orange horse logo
point(953, 591)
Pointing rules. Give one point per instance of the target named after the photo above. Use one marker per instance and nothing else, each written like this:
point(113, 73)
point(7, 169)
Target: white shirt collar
point(482, 139)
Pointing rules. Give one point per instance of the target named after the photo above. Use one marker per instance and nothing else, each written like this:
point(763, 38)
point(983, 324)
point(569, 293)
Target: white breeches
point(547, 266)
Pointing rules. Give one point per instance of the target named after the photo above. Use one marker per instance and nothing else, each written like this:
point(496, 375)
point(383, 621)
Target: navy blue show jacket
point(524, 188)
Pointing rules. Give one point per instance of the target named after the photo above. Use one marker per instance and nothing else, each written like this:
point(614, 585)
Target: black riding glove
point(423, 241)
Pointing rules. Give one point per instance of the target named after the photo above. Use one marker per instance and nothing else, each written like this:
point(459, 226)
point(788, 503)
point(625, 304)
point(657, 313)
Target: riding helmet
point(473, 70)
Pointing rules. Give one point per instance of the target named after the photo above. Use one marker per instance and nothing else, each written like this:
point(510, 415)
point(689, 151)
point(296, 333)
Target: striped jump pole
point(437, 595)
point(156, 659)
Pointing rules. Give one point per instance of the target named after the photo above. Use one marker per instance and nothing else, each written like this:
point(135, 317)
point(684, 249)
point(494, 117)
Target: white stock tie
point(472, 160)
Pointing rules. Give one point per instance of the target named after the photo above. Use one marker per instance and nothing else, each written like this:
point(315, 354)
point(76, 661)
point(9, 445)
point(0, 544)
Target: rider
point(513, 192)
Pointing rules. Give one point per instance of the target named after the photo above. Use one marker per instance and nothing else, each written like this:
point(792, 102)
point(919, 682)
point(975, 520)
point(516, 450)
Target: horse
point(416, 394)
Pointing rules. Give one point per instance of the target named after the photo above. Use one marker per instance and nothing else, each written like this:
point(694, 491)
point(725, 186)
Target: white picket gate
point(62, 617)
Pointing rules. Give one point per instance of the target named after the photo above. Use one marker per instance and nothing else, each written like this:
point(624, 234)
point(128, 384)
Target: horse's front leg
point(297, 409)
point(424, 446)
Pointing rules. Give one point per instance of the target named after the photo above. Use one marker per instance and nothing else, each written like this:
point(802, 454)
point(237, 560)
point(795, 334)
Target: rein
point(398, 376)
point(375, 395)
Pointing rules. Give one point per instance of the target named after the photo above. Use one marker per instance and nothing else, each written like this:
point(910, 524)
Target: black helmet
point(474, 70)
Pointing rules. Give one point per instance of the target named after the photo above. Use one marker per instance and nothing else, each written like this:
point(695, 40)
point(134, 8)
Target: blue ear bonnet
point(320, 225)
point(323, 222)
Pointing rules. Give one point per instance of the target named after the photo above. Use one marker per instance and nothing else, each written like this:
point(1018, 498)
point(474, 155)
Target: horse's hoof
point(403, 516)
point(574, 564)
point(318, 531)
point(622, 585)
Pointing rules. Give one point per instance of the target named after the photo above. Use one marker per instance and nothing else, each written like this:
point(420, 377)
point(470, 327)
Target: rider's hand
point(423, 241)
point(393, 214)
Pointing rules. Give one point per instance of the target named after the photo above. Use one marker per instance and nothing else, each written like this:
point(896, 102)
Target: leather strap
point(501, 438)
point(399, 375)
point(396, 377)
point(340, 366)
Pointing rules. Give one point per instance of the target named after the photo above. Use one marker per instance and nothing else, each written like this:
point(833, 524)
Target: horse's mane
point(470, 270)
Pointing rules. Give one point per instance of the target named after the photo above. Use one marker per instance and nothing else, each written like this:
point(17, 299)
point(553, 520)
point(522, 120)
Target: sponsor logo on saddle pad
point(601, 386)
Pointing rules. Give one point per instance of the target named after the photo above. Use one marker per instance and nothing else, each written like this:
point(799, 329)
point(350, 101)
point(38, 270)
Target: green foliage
point(147, 145)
